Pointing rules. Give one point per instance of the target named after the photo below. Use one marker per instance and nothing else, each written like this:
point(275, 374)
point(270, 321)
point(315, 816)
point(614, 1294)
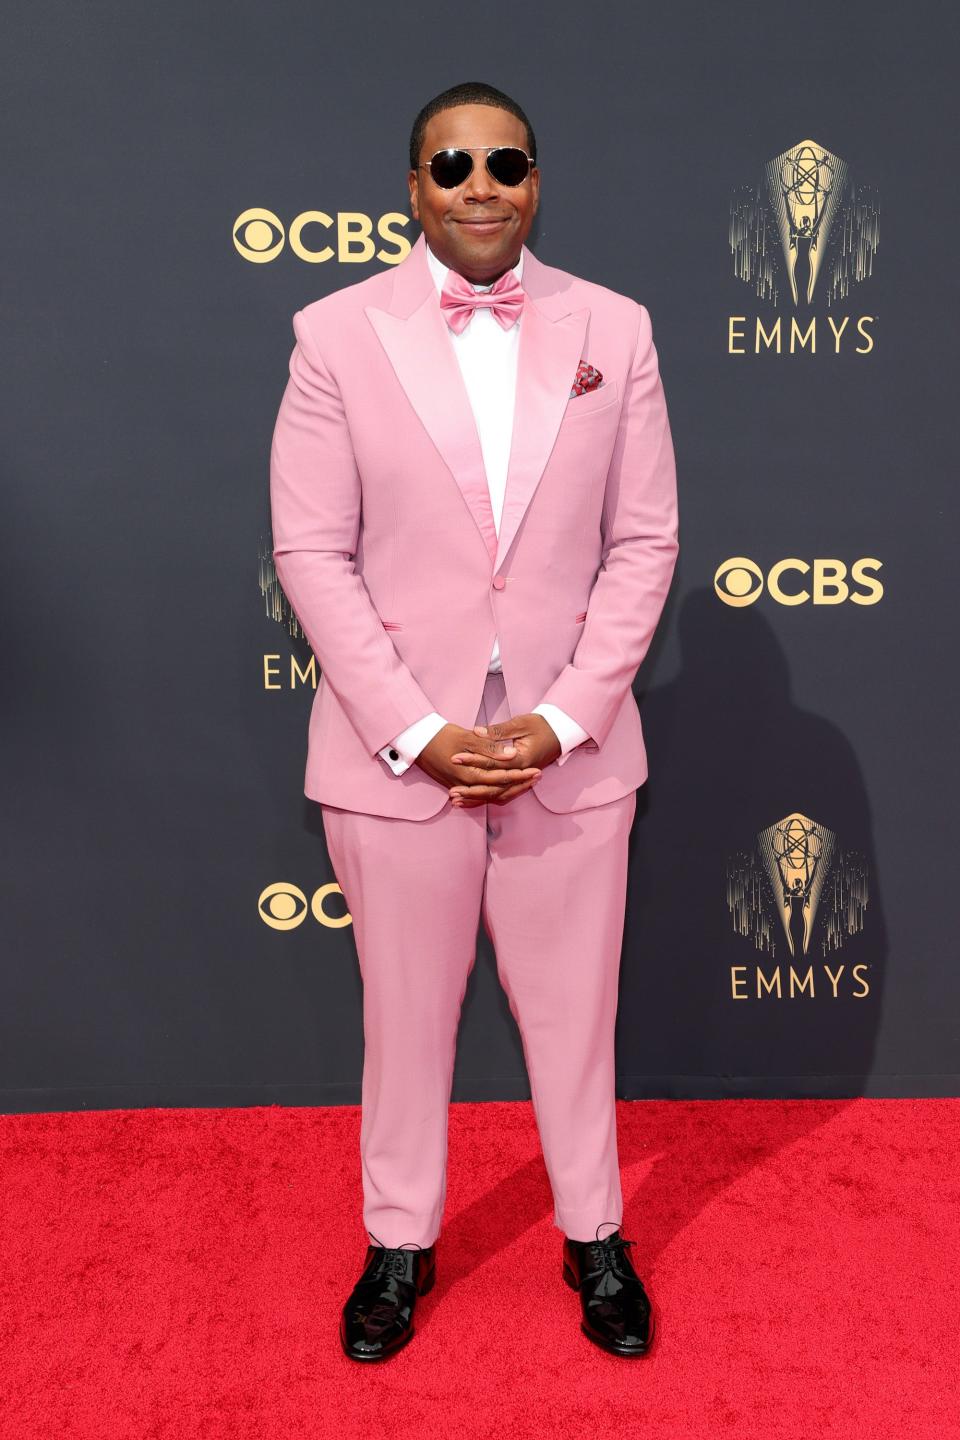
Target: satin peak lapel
point(550, 349)
point(419, 348)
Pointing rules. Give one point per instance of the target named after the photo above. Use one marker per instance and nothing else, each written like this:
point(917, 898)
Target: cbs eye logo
point(284, 907)
point(259, 236)
point(740, 582)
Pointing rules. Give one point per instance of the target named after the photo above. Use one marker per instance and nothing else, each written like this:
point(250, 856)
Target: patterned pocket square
point(588, 378)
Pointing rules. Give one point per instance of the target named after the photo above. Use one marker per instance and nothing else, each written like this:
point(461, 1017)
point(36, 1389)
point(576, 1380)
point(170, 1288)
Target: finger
point(499, 747)
point(503, 798)
point(478, 758)
point(496, 734)
point(482, 792)
point(488, 778)
point(487, 752)
point(458, 802)
point(464, 802)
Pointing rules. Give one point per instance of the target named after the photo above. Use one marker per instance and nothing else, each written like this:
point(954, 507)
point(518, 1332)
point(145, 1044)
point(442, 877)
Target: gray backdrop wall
point(180, 179)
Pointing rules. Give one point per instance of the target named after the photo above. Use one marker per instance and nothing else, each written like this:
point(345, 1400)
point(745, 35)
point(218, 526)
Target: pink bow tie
point(458, 300)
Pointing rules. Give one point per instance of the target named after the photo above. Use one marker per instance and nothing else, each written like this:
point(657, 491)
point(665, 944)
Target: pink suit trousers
point(551, 891)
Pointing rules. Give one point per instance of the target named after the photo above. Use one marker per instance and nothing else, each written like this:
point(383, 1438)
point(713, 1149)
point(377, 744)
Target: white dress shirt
point(487, 355)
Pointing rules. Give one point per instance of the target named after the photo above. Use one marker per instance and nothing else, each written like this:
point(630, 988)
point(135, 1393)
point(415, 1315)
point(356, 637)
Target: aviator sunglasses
point(506, 163)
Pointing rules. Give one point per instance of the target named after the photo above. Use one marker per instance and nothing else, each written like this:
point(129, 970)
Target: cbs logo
point(284, 907)
point(259, 236)
point(740, 582)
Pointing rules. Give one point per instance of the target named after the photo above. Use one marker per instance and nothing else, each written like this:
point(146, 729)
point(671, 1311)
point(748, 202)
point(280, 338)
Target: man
point(475, 520)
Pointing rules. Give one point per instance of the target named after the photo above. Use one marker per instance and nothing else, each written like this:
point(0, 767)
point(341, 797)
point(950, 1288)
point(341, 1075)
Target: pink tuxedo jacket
point(386, 548)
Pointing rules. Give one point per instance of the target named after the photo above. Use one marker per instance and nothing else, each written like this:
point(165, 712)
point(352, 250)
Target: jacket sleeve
point(639, 529)
point(315, 497)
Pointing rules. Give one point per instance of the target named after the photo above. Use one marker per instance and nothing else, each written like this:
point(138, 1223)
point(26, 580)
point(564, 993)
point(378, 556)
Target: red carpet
point(179, 1273)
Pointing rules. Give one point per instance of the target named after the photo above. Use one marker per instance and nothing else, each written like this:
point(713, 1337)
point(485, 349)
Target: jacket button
point(498, 582)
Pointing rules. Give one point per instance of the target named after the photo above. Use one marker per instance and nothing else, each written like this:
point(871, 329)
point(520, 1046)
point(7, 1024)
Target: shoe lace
point(605, 1254)
point(392, 1260)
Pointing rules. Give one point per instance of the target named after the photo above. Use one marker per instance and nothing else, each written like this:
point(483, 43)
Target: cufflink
point(394, 755)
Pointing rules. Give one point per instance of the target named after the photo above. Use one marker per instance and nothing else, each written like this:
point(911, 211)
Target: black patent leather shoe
point(617, 1313)
point(377, 1320)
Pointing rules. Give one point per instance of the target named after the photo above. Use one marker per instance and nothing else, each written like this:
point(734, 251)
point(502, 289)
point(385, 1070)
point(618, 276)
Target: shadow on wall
point(731, 755)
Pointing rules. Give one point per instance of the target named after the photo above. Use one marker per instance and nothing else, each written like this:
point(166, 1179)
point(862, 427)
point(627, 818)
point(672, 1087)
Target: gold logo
point(795, 886)
point(805, 224)
point(739, 582)
point(282, 906)
point(316, 237)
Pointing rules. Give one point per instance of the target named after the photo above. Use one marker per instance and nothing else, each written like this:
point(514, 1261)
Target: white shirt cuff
point(406, 746)
point(567, 731)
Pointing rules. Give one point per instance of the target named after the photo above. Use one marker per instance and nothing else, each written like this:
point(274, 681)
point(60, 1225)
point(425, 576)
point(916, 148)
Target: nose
point(479, 184)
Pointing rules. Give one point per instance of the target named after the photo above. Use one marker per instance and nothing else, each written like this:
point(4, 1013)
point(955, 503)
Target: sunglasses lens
point(450, 168)
point(508, 166)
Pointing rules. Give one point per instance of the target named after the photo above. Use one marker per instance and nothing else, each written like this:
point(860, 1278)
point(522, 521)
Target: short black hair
point(472, 92)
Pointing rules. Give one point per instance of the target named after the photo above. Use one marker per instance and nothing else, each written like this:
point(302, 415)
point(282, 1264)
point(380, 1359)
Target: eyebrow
point(512, 143)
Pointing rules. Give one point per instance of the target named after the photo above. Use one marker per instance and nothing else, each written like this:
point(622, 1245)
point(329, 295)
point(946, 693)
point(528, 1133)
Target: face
point(477, 228)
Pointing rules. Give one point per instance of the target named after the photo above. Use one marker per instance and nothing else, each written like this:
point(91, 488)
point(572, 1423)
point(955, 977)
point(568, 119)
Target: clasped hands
point(490, 764)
